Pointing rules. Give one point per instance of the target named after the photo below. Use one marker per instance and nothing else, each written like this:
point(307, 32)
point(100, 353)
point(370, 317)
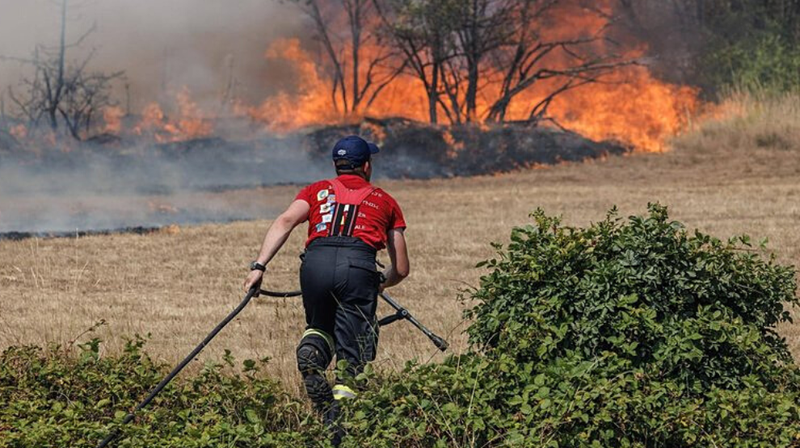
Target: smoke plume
point(210, 48)
point(162, 46)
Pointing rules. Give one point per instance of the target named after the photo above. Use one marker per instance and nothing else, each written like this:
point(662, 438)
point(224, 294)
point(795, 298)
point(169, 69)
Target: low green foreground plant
point(634, 333)
point(628, 333)
point(53, 399)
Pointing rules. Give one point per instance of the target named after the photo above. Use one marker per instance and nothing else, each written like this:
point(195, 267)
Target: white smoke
point(162, 45)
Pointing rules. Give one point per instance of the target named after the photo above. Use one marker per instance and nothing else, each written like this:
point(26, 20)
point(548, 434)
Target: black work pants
point(340, 283)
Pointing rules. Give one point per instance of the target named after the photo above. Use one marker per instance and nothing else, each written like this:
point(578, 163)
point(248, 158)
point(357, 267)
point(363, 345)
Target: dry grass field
point(737, 176)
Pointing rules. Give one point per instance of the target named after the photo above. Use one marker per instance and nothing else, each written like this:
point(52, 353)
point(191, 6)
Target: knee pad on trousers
point(314, 352)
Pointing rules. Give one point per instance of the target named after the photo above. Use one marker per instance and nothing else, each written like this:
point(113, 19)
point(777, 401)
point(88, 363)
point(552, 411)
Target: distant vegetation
point(756, 44)
point(628, 333)
point(749, 43)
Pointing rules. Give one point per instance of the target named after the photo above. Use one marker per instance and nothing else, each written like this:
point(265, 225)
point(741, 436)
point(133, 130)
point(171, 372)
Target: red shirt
point(378, 213)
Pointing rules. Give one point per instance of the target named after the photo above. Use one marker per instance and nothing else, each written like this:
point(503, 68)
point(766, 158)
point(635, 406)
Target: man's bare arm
point(398, 254)
point(277, 235)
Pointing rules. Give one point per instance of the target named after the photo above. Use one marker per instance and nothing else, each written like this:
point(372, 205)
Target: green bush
point(744, 44)
point(53, 399)
point(634, 333)
point(764, 62)
point(678, 305)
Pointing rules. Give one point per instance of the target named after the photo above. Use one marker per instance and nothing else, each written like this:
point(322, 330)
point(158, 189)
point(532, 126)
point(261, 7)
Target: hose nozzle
point(440, 343)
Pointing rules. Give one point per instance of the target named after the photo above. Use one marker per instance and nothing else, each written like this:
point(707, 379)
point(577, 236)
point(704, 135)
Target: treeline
point(717, 44)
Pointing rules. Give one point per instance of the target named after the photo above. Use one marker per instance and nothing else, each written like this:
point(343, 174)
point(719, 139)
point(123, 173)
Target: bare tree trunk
point(322, 28)
point(433, 93)
point(62, 94)
point(497, 113)
point(473, 57)
point(485, 27)
point(55, 94)
point(472, 91)
point(452, 83)
point(423, 49)
point(354, 10)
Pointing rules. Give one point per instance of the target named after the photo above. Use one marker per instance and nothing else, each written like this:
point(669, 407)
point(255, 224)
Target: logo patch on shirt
point(322, 194)
point(322, 227)
point(325, 208)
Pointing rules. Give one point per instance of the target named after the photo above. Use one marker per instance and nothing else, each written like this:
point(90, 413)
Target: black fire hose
point(180, 366)
point(401, 313)
point(264, 292)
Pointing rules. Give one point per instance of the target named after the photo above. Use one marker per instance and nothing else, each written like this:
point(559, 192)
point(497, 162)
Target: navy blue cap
point(355, 150)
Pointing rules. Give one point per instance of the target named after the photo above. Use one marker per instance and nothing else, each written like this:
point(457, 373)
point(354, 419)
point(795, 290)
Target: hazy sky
point(160, 44)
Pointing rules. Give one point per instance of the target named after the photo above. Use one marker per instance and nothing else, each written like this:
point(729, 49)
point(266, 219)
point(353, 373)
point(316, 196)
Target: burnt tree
point(484, 26)
point(422, 32)
point(360, 63)
point(60, 91)
point(462, 50)
point(530, 56)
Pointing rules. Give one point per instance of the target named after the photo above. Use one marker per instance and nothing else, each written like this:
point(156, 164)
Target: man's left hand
point(253, 279)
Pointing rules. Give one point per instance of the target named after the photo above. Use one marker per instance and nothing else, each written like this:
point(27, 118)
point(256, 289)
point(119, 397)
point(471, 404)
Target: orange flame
point(311, 103)
point(112, 117)
point(19, 131)
point(191, 122)
point(152, 119)
point(633, 107)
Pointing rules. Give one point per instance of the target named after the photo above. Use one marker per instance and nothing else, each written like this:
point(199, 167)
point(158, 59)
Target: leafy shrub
point(763, 62)
point(678, 305)
point(744, 44)
point(634, 333)
point(51, 399)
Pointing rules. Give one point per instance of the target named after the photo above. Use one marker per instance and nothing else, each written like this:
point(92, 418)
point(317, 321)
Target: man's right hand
point(253, 279)
point(398, 253)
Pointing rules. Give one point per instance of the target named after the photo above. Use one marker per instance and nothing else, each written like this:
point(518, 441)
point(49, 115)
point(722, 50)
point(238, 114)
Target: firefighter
point(349, 221)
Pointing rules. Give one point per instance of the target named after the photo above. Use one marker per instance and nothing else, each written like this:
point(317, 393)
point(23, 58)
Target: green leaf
point(252, 416)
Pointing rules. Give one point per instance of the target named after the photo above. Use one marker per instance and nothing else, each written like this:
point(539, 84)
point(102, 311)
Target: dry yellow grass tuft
point(738, 175)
